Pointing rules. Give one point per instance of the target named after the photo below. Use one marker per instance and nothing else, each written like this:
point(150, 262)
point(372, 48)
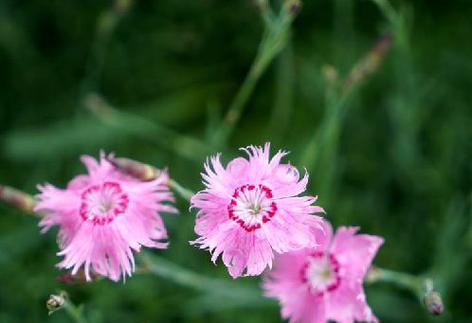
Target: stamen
point(321, 273)
point(101, 204)
point(251, 206)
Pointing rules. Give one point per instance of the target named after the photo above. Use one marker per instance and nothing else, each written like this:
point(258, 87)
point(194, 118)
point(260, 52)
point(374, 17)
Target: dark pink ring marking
point(267, 215)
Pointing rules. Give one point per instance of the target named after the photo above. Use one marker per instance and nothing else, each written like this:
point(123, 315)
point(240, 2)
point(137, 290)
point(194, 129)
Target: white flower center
point(102, 203)
point(252, 206)
point(321, 273)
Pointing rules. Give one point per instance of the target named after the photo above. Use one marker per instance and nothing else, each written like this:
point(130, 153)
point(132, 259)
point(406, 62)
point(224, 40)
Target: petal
point(355, 252)
point(347, 304)
point(106, 247)
point(285, 284)
point(79, 183)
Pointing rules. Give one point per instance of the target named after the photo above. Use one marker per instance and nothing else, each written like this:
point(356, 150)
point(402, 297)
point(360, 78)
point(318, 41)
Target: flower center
point(102, 203)
point(321, 273)
point(251, 206)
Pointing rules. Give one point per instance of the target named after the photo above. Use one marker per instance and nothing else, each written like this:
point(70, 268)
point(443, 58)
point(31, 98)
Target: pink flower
point(103, 217)
point(251, 208)
point(315, 285)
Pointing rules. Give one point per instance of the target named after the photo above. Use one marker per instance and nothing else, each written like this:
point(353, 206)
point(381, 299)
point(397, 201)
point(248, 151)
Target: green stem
point(322, 148)
point(420, 286)
point(416, 284)
point(106, 25)
point(179, 189)
point(274, 40)
point(168, 270)
point(387, 9)
point(262, 60)
point(180, 144)
point(284, 88)
point(165, 269)
point(74, 312)
point(267, 14)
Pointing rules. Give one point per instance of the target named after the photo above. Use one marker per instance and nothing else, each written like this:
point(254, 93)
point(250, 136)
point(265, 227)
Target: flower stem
point(74, 312)
point(179, 189)
point(275, 38)
point(338, 97)
point(413, 283)
point(387, 9)
point(137, 126)
point(422, 287)
point(106, 25)
point(223, 289)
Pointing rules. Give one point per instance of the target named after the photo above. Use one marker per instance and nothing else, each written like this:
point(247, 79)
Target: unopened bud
point(370, 62)
point(294, 6)
point(17, 199)
point(55, 302)
point(433, 302)
point(135, 169)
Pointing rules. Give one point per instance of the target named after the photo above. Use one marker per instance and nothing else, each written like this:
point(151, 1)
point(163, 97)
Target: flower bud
point(294, 6)
point(433, 302)
point(55, 302)
point(17, 199)
point(135, 169)
point(370, 62)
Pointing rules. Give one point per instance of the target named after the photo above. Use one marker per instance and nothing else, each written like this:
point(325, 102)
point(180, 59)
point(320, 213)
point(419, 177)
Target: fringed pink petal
point(104, 217)
point(356, 251)
point(319, 284)
point(250, 209)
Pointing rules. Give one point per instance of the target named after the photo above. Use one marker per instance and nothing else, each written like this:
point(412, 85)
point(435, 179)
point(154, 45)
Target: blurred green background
point(152, 80)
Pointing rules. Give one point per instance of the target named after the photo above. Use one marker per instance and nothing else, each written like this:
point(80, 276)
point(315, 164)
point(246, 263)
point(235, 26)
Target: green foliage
point(154, 82)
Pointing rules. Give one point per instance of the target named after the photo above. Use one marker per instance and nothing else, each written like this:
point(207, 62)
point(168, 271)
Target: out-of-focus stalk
point(284, 95)
point(106, 25)
point(180, 144)
point(322, 147)
point(368, 64)
point(222, 289)
point(405, 106)
point(17, 199)
point(421, 287)
point(389, 12)
point(146, 172)
point(276, 34)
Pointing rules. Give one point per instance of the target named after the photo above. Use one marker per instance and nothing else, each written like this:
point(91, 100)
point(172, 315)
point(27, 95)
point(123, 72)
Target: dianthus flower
point(103, 217)
point(252, 208)
point(315, 285)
